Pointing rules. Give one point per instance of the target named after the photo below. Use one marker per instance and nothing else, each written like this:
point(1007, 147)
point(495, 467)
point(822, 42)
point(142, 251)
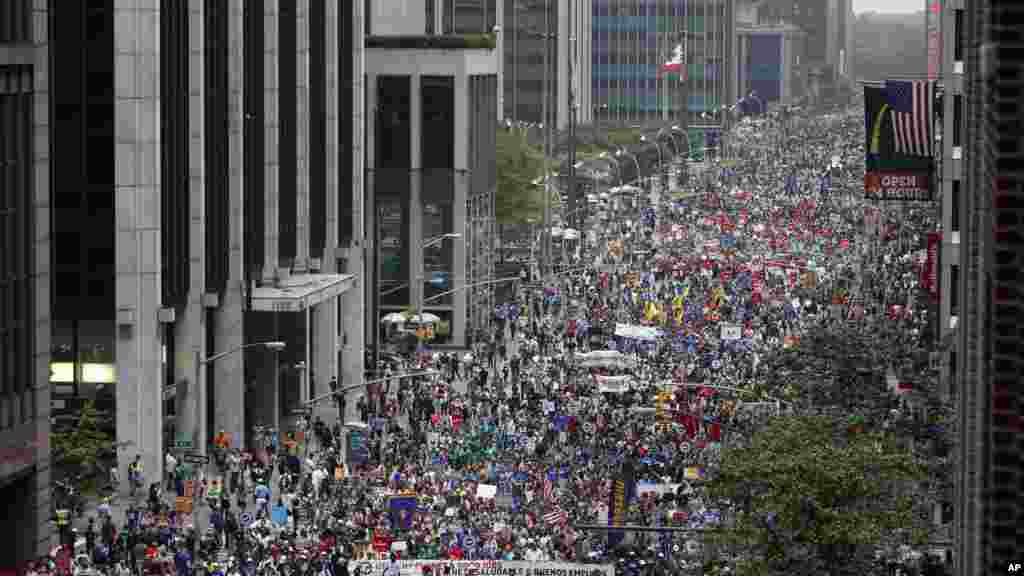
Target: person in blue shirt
point(183, 562)
point(262, 494)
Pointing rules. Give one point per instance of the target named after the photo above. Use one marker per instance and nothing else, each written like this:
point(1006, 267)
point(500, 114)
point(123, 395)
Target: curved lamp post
point(199, 395)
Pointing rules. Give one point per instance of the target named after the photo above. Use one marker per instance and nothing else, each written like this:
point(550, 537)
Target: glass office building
point(632, 39)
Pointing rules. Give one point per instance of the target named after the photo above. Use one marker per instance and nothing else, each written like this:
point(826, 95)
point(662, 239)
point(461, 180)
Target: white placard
point(731, 332)
point(486, 491)
point(637, 332)
point(481, 568)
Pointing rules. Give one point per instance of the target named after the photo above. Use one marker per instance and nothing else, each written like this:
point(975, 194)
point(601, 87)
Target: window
point(954, 290)
point(429, 10)
point(958, 35)
point(954, 206)
point(958, 118)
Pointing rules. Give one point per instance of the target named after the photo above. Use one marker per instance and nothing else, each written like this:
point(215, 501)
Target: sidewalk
point(120, 503)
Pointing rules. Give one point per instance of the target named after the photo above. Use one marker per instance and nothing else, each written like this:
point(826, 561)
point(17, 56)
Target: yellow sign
point(62, 517)
point(183, 505)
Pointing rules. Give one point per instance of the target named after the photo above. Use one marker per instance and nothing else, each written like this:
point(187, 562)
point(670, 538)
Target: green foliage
point(78, 449)
point(835, 497)
point(518, 199)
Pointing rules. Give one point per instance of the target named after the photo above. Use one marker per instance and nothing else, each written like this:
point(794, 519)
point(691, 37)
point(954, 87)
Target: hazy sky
point(891, 6)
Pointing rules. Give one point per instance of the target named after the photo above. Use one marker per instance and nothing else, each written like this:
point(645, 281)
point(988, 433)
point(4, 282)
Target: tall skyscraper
point(24, 282)
point(430, 161)
point(632, 41)
point(987, 389)
point(563, 22)
point(208, 201)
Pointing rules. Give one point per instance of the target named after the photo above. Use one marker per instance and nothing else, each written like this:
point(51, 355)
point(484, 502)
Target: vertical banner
point(616, 512)
point(933, 18)
point(898, 169)
point(932, 264)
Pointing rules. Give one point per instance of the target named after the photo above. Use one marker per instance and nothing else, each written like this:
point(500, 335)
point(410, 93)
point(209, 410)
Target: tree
point(811, 496)
point(519, 165)
point(79, 449)
point(837, 374)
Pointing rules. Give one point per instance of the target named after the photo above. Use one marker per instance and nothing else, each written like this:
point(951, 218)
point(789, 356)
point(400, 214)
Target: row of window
point(17, 320)
point(457, 16)
point(16, 21)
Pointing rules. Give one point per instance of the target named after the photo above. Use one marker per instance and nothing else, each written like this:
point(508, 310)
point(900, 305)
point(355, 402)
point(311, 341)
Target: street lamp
point(199, 396)
point(427, 244)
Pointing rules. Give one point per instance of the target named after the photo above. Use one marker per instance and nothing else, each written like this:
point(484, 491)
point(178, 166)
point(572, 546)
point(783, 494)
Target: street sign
point(183, 444)
point(197, 459)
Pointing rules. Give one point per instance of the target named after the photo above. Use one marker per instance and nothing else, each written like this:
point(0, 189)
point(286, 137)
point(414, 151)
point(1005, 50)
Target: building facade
point(432, 96)
point(209, 201)
point(768, 58)
point(632, 40)
point(827, 50)
point(988, 527)
point(25, 464)
point(567, 24)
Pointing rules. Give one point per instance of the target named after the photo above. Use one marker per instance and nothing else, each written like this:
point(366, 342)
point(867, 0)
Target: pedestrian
point(170, 467)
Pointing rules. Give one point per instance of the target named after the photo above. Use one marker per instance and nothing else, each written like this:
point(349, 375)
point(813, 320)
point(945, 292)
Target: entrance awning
point(300, 292)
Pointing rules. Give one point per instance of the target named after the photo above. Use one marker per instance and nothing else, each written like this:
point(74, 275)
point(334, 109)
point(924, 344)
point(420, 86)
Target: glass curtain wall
point(631, 41)
point(437, 146)
point(391, 189)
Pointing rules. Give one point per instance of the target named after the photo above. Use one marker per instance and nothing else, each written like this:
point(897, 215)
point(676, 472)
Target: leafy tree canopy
point(79, 448)
point(519, 165)
point(810, 496)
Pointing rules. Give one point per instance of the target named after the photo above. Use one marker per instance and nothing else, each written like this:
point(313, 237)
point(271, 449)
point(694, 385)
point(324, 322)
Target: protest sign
point(480, 568)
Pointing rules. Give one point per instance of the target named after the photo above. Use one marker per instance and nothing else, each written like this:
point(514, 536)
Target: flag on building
point(911, 103)
point(677, 63)
point(549, 488)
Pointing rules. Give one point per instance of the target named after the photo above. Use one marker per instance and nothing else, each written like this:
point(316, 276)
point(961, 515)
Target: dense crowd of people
point(639, 363)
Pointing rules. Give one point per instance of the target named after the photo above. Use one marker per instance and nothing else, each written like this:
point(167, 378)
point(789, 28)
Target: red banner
point(931, 264)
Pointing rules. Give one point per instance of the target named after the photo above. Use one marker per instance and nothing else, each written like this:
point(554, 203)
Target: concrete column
point(459, 215)
point(332, 41)
point(415, 204)
point(325, 353)
point(302, 133)
point(190, 328)
point(40, 389)
point(271, 135)
point(137, 223)
point(354, 301)
point(271, 168)
point(372, 264)
point(229, 395)
point(325, 315)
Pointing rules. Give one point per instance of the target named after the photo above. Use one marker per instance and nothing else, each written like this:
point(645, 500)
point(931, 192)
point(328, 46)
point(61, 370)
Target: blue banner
point(401, 509)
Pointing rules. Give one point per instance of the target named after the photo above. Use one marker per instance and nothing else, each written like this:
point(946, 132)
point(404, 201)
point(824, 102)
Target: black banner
point(888, 175)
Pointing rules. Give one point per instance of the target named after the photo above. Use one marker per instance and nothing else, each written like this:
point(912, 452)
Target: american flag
point(911, 104)
point(556, 516)
point(549, 488)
